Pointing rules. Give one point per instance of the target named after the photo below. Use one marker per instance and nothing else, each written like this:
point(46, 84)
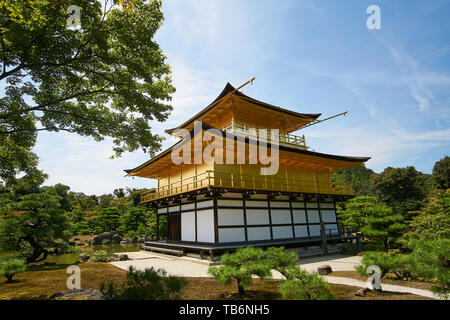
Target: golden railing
point(287, 139)
point(242, 181)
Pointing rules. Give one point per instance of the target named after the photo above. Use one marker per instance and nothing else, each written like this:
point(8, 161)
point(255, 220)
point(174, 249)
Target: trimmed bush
point(149, 284)
point(281, 260)
point(9, 266)
point(302, 285)
point(100, 256)
point(397, 264)
point(241, 266)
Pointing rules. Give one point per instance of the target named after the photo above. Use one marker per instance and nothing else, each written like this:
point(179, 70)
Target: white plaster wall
point(230, 203)
point(188, 226)
point(282, 232)
point(188, 206)
point(174, 208)
point(311, 205)
point(281, 216)
point(279, 204)
point(332, 227)
point(205, 226)
point(251, 203)
point(299, 216)
point(258, 233)
point(327, 205)
point(298, 204)
point(328, 215)
point(314, 230)
point(231, 235)
point(162, 210)
point(229, 217)
point(301, 231)
point(205, 204)
point(257, 216)
point(313, 216)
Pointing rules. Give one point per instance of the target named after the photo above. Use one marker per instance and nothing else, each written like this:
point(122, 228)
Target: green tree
point(107, 79)
point(381, 223)
point(430, 259)
point(433, 221)
point(302, 285)
point(149, 284)
point(108, 219)
point(356, 211)
point(441, 173)
point(9, 266)
point(403, 189)
point(358, 177)
point(133, 219)
point(32, 226)
point(241, 266)
point(281, 260)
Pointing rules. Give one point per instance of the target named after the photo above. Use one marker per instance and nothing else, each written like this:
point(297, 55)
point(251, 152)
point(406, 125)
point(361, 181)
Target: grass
point(42, 282)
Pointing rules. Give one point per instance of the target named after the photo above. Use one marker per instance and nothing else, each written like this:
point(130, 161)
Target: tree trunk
point(9, 277)
point(240, 288)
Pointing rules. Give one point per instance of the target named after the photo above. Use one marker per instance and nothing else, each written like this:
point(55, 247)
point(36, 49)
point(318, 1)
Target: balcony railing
point(286, 139)
point(241, 181)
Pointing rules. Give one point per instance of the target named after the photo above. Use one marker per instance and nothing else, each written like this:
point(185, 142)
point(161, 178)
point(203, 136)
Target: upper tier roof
point(244, 108)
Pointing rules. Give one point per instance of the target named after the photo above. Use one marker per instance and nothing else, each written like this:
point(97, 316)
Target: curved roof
point(229, 90)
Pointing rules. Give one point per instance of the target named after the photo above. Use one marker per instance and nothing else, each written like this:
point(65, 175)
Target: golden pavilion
point(229, 202)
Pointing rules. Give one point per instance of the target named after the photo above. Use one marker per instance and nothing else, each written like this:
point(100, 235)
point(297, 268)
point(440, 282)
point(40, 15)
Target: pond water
point(71, 258)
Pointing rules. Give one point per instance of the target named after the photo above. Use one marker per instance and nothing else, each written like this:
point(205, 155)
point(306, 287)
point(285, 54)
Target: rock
point(116, 239)
point(324, 269)
point(120, 257)
point(124, 242)
point(134, 239)
point(107, 235)
point(362, 292)
point(97, 240)
point(78, 294)
point(83, 257)
point(106, 241)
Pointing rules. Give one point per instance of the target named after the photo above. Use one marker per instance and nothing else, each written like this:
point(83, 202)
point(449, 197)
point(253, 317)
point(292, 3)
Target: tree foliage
point(303, 285)
point(9, 266)
point(149, 284)
point(358, 177)
point(241, 266)
point(441, 173)
point(32, 226)
point(105, 80)
point(403, 189)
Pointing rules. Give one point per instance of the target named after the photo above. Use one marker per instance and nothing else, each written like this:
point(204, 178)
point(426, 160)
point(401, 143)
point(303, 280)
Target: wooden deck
point(181, 248)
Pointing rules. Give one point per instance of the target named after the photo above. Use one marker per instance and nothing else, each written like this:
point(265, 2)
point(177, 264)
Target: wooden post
point(157, 225)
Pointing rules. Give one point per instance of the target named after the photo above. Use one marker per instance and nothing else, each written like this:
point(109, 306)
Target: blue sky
point(308, 56)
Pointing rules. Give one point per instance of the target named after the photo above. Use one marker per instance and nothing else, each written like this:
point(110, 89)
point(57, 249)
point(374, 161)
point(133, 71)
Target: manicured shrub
point(430, 260)
point(100, 256)
point(281, 260)
point(241, 266)
point(302, 285)
point(395, 263)
point(9, 266)
point(149, 284)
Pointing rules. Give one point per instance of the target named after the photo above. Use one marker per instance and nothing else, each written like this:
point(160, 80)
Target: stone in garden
point(83, 257)
point(78, 294)
point(324, 269)
point(116, 239)
point(362, 292)
point(97, 240)
point(106, 241)
point(123, 242)
point(107, 235)
point(123, 257)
